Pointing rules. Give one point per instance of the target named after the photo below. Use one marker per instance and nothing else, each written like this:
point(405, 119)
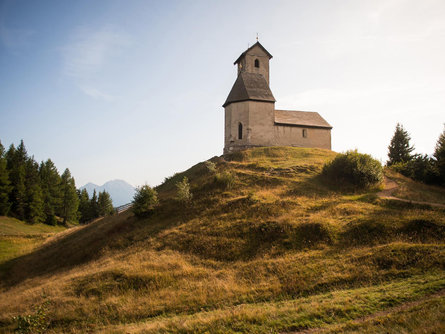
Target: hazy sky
point(133, 89)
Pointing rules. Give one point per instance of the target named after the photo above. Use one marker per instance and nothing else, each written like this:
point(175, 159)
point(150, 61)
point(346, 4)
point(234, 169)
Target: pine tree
point(5, 187)
point(144, 201)
point(399, 149)
point(94, 206)
point(105, 204)
point(84, 205)
point(70, 201)
point(34, 198)
point(439, 155)
point(51, 190)
point(16, 160)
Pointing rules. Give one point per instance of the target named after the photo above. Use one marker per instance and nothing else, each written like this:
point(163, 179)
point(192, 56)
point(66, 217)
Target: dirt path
point(391, 186)
point(395, 309)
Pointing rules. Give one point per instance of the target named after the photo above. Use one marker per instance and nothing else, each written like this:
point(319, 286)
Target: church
point(251, 119)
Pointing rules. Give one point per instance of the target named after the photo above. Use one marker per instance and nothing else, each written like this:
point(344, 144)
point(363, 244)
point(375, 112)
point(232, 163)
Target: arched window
point(240, 131)
point(257, 63)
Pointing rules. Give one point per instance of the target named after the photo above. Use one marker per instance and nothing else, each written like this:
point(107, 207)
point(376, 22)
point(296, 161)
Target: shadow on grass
point(83, 245)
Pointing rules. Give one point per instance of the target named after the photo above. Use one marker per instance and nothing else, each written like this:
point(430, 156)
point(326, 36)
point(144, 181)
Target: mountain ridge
point(121, 192)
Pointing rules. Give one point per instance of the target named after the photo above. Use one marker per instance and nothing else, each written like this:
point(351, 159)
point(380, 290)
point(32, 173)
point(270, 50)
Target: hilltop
point(265, 246)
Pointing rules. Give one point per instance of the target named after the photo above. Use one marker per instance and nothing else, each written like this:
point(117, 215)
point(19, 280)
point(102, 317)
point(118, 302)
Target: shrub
point(183, 191)
point(33, 323)
point(353, 169)
point(225, 179)
point(144, 201)
point(211, 166)
point(420, 168)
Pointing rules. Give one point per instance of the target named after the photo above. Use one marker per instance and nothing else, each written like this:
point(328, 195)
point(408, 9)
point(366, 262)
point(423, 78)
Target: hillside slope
point(265, 246)
point(18, 237)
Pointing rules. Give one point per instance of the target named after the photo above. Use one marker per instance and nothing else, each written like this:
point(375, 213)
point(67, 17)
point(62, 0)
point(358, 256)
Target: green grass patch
point(15, 227)
point(293, 315)
point(18, 238)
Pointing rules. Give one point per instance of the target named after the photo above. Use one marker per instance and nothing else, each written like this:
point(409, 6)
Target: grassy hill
point(264, 247)
point(17, 237)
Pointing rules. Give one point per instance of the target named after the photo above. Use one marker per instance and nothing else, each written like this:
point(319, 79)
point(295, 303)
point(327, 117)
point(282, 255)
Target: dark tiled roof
point(250, 86)
point(244, 53)
point(303, 118)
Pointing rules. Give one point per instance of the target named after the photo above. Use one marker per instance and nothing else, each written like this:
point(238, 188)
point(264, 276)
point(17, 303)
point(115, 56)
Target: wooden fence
point(123, 208)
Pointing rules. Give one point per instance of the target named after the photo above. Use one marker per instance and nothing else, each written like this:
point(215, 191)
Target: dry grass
point(416, 191)
point(278, 251)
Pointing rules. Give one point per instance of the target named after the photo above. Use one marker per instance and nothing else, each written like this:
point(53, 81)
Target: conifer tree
point(144, 201)
point(51, 190)
point(84, 205)
point(5, 187)
point(439, 155)
point(399, 149)
point(105, 204)
point(94, 208)
point(34, 198)
point(70, 201)
point(16, 160)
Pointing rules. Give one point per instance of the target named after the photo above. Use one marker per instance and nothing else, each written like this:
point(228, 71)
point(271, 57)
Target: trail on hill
point(390, 186)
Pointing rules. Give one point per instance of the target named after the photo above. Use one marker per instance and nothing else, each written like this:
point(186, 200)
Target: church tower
point(249, 108)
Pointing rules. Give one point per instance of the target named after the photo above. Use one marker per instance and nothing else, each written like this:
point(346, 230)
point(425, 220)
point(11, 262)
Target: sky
point(134, 89)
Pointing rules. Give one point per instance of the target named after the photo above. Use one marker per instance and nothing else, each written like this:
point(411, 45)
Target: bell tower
point(249, 108)
point(254, 60)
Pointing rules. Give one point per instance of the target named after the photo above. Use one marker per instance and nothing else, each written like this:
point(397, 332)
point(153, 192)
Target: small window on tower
point(240, 131)
point(257, 63)
point(304, 133)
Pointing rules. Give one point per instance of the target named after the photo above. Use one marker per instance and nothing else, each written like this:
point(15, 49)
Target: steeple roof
point(250, 86)
point(256, 44)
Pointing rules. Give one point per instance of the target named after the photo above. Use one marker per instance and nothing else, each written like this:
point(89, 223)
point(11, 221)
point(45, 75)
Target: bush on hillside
point(211, 166)
point(420, 168)
point(183, 191)
point(353, 169)
point(144, 201)
point(225, 179)
point(34, 323)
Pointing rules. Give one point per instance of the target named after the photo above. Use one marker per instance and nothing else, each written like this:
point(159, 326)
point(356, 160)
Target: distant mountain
point(120, 191)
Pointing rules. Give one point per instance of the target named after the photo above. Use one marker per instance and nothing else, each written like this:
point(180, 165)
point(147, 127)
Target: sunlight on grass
point(276, 251)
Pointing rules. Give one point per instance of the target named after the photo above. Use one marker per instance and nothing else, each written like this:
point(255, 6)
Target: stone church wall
point(259, 129)
point(286, 135)
point(236, 113)
point(261, 120)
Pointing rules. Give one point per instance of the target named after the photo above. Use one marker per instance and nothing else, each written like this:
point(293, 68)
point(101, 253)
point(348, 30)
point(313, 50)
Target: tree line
point(37, 193)
point(420, 167)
